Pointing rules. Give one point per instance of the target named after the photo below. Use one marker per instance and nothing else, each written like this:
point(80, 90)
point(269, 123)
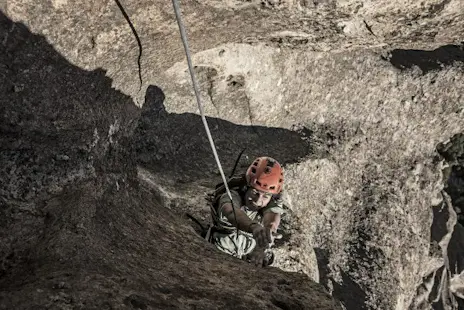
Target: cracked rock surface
point(362, 101)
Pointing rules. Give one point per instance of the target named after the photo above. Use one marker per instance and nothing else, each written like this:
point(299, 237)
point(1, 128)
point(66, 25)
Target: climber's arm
point(240, 219)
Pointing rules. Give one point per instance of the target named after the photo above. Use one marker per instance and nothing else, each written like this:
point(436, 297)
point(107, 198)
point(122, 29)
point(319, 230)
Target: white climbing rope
point(197, 95)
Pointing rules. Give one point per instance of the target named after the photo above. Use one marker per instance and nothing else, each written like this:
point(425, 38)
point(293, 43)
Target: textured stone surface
point(352, 96)
point(78, 230)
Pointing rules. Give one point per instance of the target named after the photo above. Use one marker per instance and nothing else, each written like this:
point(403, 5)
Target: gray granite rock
point(353, 97)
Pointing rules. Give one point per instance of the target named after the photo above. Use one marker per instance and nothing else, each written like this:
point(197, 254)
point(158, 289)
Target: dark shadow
point(322, 257)
point(438, 229)
point(54, 117)
point(177, 145)
point(427, 60)
point(350, 293)
point(435, 291)
point(363, 258)
point(456, 250)
point(59, 125)
point(453, 153)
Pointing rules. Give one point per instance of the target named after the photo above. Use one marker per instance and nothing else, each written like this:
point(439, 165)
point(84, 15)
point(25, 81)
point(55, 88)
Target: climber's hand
point(262, 235)
point(256, 257)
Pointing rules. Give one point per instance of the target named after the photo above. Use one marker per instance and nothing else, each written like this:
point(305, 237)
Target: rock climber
point(256, 210)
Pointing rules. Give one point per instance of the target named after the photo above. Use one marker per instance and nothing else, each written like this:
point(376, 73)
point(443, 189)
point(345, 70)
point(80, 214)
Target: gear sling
point(238, 184)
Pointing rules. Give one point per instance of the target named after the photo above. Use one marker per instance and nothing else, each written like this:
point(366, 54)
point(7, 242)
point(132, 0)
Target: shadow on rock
point(351, 295)
point(177, 145)
point(427, 60)
point(56, 120)
point(59, 125)
point(322, 256)
point(446, 291)
point(453, 152)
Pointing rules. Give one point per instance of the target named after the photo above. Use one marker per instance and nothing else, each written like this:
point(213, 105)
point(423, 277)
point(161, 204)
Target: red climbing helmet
point(265, 174)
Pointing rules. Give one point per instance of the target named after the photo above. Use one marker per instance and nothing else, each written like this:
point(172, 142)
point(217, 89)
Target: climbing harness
point(200, 106)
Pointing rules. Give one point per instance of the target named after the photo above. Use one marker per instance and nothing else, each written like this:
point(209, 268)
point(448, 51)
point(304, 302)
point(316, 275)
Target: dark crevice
point(427, 61)
point(439, 229)
point(250, 115)
point(452, 152)
point(322, 257)
point(437, 284)
point(369, 28)
point(210, 75)
point(139, 43)
point(210, 94)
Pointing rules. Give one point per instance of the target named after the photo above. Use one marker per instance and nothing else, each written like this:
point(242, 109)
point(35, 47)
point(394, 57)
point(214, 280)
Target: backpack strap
point(238, 184)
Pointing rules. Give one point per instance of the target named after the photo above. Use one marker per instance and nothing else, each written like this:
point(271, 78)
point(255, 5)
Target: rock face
point(362, 102)
point(78, 229)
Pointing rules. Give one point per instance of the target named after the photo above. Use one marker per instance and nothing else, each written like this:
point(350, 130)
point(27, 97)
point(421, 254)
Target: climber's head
point(265, 178)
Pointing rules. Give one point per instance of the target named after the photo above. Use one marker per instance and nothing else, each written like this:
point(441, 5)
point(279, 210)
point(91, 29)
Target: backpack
point(237, 183)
